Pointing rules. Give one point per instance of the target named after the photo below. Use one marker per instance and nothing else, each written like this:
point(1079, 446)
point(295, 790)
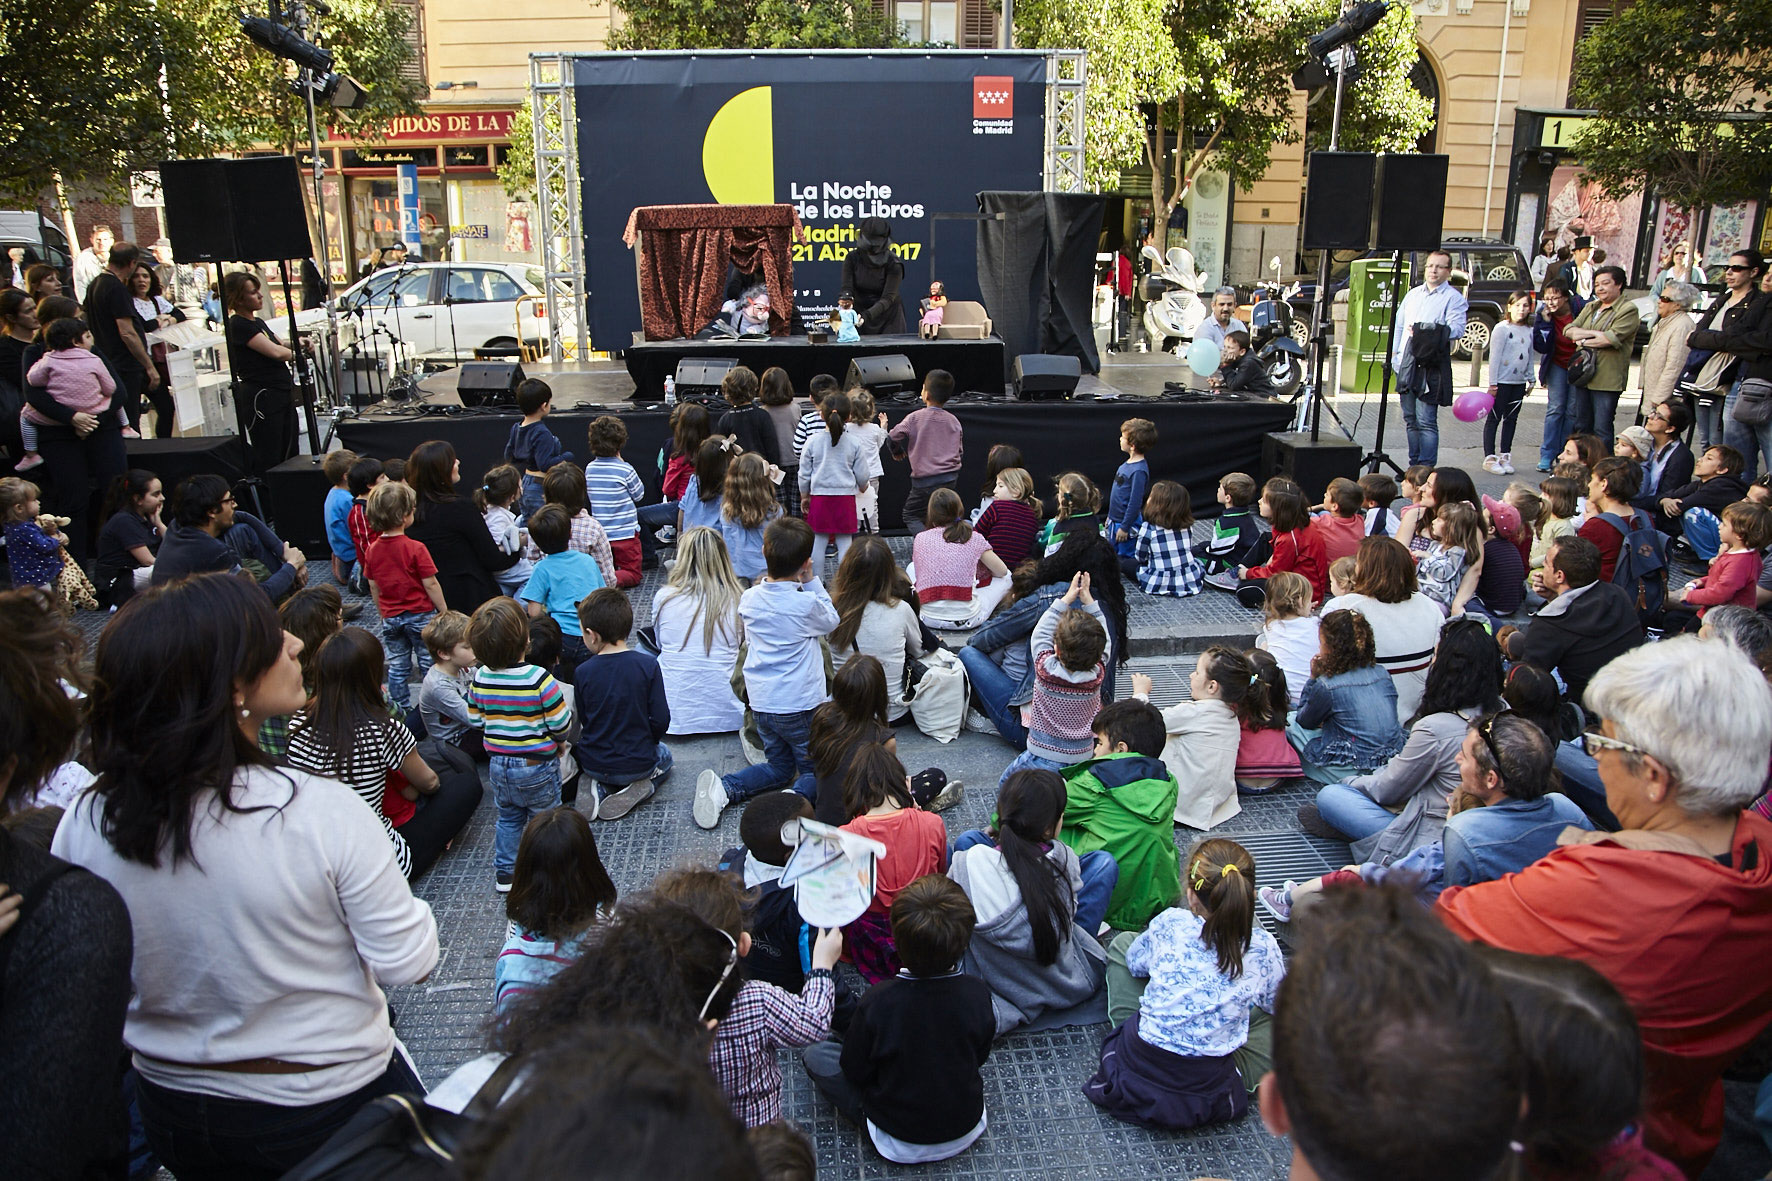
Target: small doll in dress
point(933, 307)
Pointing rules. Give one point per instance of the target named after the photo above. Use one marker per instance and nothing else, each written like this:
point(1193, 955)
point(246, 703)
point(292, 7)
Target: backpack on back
point(1642, 563)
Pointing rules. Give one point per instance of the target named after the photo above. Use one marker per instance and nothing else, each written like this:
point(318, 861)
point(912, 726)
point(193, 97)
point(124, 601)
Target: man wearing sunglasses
point(1586, 624)
point(1506, 763)
point(1675, 909)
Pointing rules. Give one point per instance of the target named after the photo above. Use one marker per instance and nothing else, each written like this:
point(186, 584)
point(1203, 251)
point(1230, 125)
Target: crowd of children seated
point(1374, 671)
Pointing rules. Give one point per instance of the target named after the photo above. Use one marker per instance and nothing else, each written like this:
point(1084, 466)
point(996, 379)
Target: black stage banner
point(1197, 442)
point(977, 365)
point(841, 135)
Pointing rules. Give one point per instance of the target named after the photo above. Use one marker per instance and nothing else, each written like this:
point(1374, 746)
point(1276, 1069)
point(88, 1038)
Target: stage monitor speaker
point(1411, 202)
point(297, 491)
point(890, 373)
point(489, 383)
point(235, 210)
point(1338, 201)
point(700, 377)
point(1309, 465)
point(1039, 376)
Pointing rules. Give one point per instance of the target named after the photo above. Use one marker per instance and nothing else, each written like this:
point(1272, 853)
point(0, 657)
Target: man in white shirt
point(1433, 303)
point(1223, 320)
point(89, 264)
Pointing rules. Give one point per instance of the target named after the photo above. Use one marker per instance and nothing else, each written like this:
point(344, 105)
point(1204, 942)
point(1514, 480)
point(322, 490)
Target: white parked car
point(416, 303)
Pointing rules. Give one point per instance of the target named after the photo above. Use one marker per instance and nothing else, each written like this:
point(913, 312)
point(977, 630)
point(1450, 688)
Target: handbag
point(1753, 403)
point(1709, 375)
point(1582, 367)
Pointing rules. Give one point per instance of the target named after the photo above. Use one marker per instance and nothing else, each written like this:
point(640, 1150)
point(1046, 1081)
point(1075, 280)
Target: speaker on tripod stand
point(1411, 217)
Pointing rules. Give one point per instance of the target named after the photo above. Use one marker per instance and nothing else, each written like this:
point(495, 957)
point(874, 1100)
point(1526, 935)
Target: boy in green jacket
point(1123, 801)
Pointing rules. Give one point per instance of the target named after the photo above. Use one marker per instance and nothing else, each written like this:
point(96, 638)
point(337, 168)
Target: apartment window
point(933, 21)
point(415, 37)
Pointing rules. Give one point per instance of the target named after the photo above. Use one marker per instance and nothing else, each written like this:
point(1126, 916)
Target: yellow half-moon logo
point(738, 152)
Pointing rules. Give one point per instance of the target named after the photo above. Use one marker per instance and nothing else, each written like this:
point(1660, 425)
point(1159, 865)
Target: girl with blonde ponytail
point(1189, 1051)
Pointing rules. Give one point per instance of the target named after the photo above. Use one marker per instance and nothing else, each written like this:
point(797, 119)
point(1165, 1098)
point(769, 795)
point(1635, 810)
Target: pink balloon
point(1472, 405)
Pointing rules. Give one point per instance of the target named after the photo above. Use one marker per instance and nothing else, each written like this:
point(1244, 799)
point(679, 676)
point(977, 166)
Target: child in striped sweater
point(524, 717)
point(1071, 650)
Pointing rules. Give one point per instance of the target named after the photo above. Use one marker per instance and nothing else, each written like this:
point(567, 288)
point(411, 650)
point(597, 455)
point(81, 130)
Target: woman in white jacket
point(268, 906)
point(1664, 357)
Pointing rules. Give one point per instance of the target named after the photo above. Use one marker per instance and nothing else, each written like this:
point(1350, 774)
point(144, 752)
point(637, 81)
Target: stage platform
point(1198, 441)
point(976, 364)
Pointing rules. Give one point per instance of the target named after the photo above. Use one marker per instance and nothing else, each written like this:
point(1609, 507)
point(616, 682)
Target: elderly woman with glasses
point(1675, 909)
point(1665, 354)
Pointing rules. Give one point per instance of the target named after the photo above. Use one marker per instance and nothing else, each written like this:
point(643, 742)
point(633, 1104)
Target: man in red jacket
point(1676, 908)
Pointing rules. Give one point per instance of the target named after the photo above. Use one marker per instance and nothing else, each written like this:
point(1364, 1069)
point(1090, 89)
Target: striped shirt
point(809, 422)
point(614, 488)
point(1011, 527)
point(1065, 700)
point(521, 710)
point(377, 748)
point(527, 961)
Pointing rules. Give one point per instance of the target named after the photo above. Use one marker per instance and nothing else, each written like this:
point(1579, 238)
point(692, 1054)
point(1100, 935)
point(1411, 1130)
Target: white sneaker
point(979, 723)
point(1507, 463)
point(710, 799)
point(1491, 465)
point(752, 752)
point(948, 796)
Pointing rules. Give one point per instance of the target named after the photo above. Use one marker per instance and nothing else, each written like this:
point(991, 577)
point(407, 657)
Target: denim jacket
point(1015, 623)
point(1484, 844)
point(1357, 714)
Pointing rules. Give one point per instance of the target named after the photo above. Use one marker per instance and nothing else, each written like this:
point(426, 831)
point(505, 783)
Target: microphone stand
point(304, 371)
point(454, 347)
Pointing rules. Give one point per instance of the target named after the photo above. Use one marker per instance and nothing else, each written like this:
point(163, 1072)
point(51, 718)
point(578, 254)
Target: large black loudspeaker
point(489, 383)
point(297, 491)
point(890, 373)
point(1338, 201)
point(700, 377)
point(1310, 465)
point(235, 210)
point(1411, 202)
point(1046, 375)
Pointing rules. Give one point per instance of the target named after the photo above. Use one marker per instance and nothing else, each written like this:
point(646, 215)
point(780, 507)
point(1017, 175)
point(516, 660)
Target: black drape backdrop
point(1036, 268)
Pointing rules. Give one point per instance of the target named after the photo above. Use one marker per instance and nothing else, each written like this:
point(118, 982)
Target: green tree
point(1680, 95)
point(1381, 111)
point(753, 24)
point(517, 171)
point(1176, 83)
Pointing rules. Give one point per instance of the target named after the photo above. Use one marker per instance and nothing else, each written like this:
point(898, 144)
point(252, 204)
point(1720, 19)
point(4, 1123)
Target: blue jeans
point(1101, 873)
point(211, 1139)
point(1751, 441)
point(1421, 424)
point(1026, 761)
point(403, 636)
point(994, 688)
point(785, 738)
point(529, 499)
point(520, 788)
point(1707, 413)
point(1594, 412)
point(1556, 416)
point(1350, 810)
point(652, 518)
point(663, 761)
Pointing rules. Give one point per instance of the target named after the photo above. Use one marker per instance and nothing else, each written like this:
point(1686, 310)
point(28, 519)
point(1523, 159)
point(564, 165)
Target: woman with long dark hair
point(61, 1100)
point(130, 537)
point(1038, 904)
point(153, 311)
point(453, 530)
point(267, 903)
point(997, 659)
point(346, 733)
point(876, 616)
point(18, 328)
point(851, 721)
point(1402, 806)
point(264, 385)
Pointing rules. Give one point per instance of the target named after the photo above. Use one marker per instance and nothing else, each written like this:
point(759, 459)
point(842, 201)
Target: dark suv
point(1487, 270)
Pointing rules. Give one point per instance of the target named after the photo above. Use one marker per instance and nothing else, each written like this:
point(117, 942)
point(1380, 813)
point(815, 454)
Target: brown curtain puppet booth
point(683, 254)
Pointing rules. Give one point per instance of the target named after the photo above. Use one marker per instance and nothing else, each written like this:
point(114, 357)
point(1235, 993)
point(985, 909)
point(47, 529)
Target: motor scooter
point(1270, 336)
point(1173, 309)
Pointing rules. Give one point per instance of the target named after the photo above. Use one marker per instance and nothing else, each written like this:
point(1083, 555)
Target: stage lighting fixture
point(286, 44)
point(1350, 26)
point(343, 91)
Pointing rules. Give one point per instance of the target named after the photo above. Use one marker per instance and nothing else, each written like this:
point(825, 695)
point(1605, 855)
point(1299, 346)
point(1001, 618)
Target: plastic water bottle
point(670, 390)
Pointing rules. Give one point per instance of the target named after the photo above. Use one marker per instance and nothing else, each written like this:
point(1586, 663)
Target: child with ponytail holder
point(500, 490)
point(1264, 757)
point(1204, 735)
point(1187, 1049)
point(833, 474)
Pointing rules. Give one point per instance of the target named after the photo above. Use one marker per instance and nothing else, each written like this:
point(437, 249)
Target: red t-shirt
point(1341, 535)
point(398, 566)
point(916, 844)
point(1608, 539)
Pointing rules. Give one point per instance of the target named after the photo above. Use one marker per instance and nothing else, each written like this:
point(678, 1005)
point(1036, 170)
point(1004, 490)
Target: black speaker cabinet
point(1338, 201)
point(235, 210)
point(700, 377)
point(1039, 376)
point(489, 383)
point(297, 491)
point(890, 373)
point(1309, 465)
point(1411, 202)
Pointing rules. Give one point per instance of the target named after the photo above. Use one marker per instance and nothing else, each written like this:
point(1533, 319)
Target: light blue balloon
point(1203, 357)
